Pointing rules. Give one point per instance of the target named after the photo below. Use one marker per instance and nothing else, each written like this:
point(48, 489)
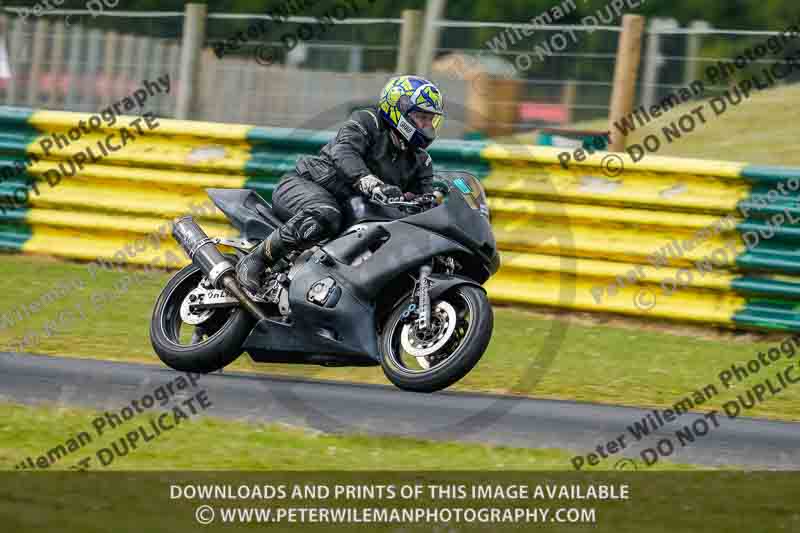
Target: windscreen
point(469, 187)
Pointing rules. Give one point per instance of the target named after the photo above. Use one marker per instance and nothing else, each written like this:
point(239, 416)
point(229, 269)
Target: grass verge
point(206, 443)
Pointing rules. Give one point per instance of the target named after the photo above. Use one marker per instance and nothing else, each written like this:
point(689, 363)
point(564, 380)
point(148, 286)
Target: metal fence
point(74, 60)
point(579, 75)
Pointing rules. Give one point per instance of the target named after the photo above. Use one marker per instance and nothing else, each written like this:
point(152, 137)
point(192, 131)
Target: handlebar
point(421, 202)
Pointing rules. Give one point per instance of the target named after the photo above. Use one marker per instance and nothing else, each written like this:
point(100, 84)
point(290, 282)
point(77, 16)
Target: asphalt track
point(384, 410)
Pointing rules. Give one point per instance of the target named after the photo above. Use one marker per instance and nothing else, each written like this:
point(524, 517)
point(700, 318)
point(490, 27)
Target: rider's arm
point(352, 143)
point(423, 181)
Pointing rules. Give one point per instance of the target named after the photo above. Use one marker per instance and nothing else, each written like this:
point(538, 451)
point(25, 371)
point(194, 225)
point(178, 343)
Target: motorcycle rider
point(379, 152)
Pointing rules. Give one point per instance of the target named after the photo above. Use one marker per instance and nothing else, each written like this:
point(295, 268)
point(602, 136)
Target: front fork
point(424, 286)
point(424, 319)
point(422, 306)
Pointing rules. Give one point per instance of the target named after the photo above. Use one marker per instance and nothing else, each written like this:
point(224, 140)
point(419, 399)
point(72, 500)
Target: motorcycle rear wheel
point(456, 345)
point(217, 343)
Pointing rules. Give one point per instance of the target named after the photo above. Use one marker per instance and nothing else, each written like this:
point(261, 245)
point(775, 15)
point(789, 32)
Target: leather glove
point(367, 184)
point(372, 187)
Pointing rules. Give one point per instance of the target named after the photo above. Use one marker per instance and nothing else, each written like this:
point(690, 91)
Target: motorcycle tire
point(209, 355)
point(470, 348)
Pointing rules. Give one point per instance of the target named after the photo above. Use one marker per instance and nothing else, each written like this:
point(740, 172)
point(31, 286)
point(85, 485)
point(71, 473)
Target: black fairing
point(405, 248)
point(455, 219)
point(247, 211)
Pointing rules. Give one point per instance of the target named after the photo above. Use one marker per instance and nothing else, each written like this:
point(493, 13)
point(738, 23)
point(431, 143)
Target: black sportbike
point(399, 287)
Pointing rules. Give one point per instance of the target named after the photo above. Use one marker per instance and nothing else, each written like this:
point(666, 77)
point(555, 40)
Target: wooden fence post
point(625, 75)
point(194, 35)
point(409, 41)
point(430, 36)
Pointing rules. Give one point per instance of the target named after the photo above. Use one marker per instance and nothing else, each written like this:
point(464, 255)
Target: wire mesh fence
point(572, 67)
point(257, 69)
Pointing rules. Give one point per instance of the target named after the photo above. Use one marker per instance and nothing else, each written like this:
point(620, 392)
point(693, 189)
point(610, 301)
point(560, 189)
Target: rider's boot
point(250, 270)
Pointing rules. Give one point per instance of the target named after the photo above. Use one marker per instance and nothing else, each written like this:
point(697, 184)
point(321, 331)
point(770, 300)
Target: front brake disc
point(423, 347)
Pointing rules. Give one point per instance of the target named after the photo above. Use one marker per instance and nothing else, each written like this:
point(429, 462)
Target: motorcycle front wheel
point(203, 348)
point(433, 359)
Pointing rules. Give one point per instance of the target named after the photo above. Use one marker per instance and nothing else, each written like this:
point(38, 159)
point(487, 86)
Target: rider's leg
point(314, 215)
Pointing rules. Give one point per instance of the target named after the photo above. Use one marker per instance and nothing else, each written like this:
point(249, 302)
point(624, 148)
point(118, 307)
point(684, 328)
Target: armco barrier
point(562, 232)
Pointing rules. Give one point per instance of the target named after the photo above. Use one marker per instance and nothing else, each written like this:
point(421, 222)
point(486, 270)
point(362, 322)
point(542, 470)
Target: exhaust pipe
point(219, 271)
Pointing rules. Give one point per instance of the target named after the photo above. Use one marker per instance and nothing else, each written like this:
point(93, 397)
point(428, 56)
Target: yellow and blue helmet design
point(405, 94)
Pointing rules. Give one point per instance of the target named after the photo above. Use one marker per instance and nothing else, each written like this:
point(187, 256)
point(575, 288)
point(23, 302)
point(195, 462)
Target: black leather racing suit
point(363, 147)
point(309, 199)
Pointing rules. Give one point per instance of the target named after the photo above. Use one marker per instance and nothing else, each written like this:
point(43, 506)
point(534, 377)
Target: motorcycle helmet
point(414, 108)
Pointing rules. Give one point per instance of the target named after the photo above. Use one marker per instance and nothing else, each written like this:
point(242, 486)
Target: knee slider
point(311, 231)
point(329, 216)
point(308, 227)
point(319, 222)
